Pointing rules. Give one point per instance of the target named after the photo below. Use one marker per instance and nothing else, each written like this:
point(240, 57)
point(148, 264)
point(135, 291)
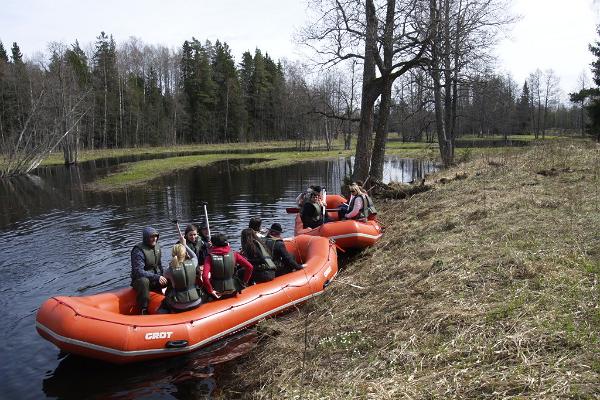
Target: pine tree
point(16, 55)
point(524, 111)
point(228, 106)
point(592, 94)
point(246, 72)
point(105, 81)
point(3, 54)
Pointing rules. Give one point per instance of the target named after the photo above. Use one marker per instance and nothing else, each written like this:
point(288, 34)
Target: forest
point(112, 94)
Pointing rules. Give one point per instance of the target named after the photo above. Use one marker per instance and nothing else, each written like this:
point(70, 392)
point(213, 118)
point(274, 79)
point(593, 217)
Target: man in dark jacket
point(283, 259)
point(146, 268)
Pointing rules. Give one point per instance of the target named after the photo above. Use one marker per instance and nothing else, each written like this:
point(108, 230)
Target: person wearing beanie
point(218, 275)
point(147, 268)
point(284, 261)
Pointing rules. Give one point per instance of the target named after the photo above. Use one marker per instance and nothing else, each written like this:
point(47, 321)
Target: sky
point(549, 34)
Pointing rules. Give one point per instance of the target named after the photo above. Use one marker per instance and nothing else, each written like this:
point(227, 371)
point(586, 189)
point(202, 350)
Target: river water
point(58, 238)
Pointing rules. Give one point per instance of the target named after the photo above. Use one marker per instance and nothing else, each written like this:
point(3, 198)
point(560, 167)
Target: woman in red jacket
point(219, 276)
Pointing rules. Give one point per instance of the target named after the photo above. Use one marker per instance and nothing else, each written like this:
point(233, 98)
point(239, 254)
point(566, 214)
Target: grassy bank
point(485, 287)
point(140, 172)
point(89, 155)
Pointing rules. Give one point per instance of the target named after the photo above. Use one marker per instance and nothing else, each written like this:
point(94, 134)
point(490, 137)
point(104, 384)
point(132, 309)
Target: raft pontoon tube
point(348, 234)
point(105, 326)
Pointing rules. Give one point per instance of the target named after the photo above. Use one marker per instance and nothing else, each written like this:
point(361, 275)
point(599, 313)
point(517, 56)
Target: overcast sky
point(551, 33)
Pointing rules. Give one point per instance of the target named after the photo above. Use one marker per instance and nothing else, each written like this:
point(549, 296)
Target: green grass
point(140, 172)
point(485, 287)
point(89, 155)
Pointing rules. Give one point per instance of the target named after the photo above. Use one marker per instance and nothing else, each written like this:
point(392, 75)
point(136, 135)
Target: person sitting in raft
point(257, 254)
point(146, 268)
point(194, 241)
point(218, 275)
point(360, 204)
point(284, 261)
point(182, 292)
point(254, 224)
point(204, 238)
point(312, 212)
point(304, 196)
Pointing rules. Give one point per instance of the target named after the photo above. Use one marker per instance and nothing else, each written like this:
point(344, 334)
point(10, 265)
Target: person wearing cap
point(284, 261)
point(218, 275)
point(146, 268)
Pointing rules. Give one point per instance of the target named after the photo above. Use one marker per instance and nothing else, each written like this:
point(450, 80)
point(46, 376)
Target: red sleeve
point(239, 259)
point(206, 274)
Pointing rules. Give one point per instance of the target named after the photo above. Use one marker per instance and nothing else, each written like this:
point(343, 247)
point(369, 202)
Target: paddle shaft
point(207, 224)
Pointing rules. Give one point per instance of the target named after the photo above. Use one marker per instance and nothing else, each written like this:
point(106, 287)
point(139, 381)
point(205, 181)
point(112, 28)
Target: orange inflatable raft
point(348, 234)
point(105, 326)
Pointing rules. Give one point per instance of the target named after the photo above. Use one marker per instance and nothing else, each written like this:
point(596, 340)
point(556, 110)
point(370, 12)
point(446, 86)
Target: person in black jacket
point(283, 259)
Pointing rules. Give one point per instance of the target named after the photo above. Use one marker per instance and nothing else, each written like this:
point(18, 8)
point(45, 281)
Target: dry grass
point(485, 287)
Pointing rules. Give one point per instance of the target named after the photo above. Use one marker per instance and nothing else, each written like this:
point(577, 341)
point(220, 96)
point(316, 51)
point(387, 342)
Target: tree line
point(134, 94)
point(421, 68)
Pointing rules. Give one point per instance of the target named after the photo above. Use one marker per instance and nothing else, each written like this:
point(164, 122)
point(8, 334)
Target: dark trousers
point(142, 287)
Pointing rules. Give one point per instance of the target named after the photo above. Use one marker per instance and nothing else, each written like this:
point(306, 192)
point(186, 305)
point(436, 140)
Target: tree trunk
point(365, 131)
point(376, 172)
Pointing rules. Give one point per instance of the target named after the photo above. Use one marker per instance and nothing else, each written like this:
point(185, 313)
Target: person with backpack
point(284, 261)
point(219, 276)
point(257, 254)
point(182, 292)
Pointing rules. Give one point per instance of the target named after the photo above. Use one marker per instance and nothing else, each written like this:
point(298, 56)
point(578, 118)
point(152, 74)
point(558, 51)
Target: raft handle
point(176, 344)
point(326, 283)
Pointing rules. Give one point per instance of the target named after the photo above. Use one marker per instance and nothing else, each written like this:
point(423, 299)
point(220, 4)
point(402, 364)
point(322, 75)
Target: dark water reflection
point(58, 238)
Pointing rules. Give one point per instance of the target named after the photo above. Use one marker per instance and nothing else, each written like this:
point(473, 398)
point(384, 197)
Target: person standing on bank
point(146, 268)
point(182, 293)
point(283, 259)
point(218, 275)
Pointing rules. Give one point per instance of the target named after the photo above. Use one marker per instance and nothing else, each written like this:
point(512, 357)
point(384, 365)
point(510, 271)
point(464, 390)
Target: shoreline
point(485, 286)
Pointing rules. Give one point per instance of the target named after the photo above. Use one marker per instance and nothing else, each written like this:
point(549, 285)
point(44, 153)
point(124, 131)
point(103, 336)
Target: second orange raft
point(348, 234)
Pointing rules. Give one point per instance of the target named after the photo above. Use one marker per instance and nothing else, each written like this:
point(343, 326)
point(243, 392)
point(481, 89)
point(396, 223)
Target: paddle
point(176, 222)
point(204, 203)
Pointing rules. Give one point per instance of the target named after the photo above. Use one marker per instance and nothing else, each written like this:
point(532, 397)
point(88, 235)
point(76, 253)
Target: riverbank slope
point(484, 287)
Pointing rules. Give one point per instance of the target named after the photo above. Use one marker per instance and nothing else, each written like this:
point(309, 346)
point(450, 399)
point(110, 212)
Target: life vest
point(270, 245)
point(313, 219)
point(152, 257)
point(364, 212)
point(184, 290)
point(267, 258)
point(199, 248)
point(222, 273)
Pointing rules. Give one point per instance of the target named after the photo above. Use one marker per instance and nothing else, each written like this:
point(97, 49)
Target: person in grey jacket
point(146, 268)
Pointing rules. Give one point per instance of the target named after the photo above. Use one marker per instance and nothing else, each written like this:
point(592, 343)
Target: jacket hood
point(147, 232)
point(221, 250)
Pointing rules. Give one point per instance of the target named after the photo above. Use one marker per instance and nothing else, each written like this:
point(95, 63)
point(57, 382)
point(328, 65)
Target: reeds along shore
point(483, 287)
